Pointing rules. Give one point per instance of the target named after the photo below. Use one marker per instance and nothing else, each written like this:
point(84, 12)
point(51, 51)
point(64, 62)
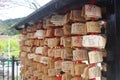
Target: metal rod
point(17, 69)
point(9, 47)
point(13, 59)
point(3, 69)
point(8, 71)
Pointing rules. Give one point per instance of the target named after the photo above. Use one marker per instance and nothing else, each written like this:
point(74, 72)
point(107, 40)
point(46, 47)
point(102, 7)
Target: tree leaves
point(14, 46)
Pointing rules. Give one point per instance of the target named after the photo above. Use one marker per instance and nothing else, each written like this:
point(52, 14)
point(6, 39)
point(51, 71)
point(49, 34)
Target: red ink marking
point(92, 2)
point(93, 79)
point(67, 10)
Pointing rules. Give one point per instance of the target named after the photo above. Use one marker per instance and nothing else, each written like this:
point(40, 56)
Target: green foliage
point(14, 46)
point(5, 26)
